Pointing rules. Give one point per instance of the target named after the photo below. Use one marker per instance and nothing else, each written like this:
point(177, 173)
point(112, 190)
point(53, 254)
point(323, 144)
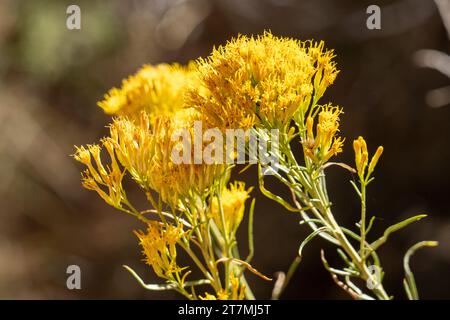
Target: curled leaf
point(409, 282)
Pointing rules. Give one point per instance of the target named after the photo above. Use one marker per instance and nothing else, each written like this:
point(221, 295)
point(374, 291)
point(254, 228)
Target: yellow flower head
point(232, 200)
point(155, 89)
point(159, 247)
point(326, 71)
point(324, 144)
point(362, 158)
point(107, 182)
point(261, 79)
point(146, 149)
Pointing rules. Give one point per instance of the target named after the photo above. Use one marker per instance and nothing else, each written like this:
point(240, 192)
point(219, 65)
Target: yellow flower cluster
point(261, 80)
point(362, 158)
point(231, 205)
point(107, 182)
point(320, 147)
point(146, 151)
point(159, 248)
point(155, 89)
point(325, 72)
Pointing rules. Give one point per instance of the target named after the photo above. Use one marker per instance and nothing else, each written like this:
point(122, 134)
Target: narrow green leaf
point(370, 224)
point(409, 282)
point(162, 287)
point(376, 244)
point(356, 188)
point(250, 232)
point(272, 196)
point(330, 269)
point(309, 238)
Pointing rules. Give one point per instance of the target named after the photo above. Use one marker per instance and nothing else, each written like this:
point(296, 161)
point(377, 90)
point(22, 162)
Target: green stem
point(352, 253)
point(363, 219)
point(316, 188)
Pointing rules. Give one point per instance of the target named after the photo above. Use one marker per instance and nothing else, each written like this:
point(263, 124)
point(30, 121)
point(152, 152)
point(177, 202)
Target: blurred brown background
point(51, 78)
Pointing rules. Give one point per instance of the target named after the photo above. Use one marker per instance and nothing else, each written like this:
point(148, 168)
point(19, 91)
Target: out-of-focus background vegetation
point(394, 93)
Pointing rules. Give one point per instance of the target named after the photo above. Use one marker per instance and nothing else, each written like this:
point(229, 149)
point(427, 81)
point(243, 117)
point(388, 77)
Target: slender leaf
point(409, 282)
point(309, 238)
point(250, 232)
point(162, 287)
point(376, 244)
